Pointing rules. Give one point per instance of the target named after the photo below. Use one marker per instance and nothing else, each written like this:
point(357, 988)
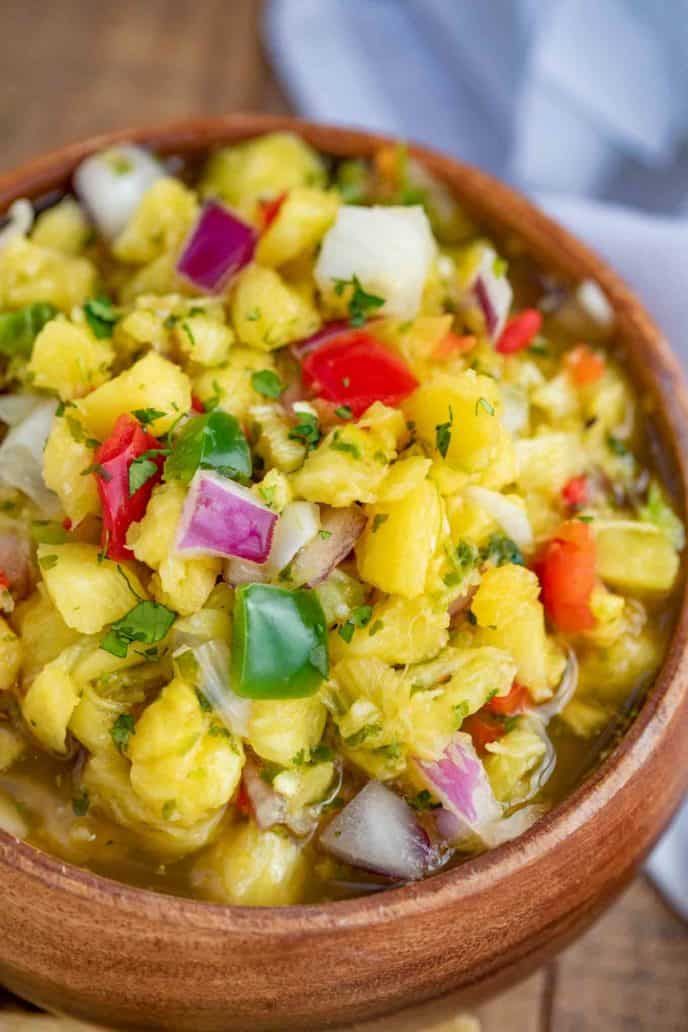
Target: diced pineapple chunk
point(416, 341)
point(93, 718)
point(304, 785)
point(230, 385)
point(152, 382)
point(65, 457)
point(203, 340)
point(634, 556)
point(511, 617)
point(513, 759)
point(50, 701)
point(348, 466)
point(403, 477)
point(609, 675)
point(254, 868)
point(272, 441)
point(64, 227)
point(12, 745)
point(281, 729)
point(69, 360)
point(30, 273)
point(469, 522)
point(395, 550)
point(11, 650)
point(585, 718)
point(400, 630)
point(304, 217)
point(185, 764)
point(163, 218)
point(459, 417)
point(180, 583)
point(267, 313)
point(548, 460)
point(43, 632)
point(261, 169)
point(88, 591)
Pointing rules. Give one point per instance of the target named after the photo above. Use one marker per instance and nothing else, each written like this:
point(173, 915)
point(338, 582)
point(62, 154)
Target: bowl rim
point(641, 739)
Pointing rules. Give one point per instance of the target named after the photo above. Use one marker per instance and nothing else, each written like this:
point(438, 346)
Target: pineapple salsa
point(332, 547)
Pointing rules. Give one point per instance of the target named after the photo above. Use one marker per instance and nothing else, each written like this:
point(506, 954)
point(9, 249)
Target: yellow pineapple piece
point(272, 440)
point(12, 746)
point(164, 216)
point(43, 632)
point(203, 340)
point(152, 382)
point(548, 460)
point(400, 630)
point(64, 227)
point(281, 729)
point(634, 556)
point(11, 651)
point(304, 217)
point(512, 759)
point(267, 313)
point(400, 539)
point(29, 272)
point(348, 466)
point(254, 868)
point(230, 385)
point(65, 457)
point(69, 360)
point(88, 591)
point(50, 701)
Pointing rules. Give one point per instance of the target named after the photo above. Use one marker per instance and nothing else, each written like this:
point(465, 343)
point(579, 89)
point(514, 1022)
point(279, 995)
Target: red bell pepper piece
point(355, 369)
point(575, 491)
point(519, 331)
point(516, 701)
point(269, 210)
point(127, 442)
point(196, 404)
point(483, 729)
point(566, 569)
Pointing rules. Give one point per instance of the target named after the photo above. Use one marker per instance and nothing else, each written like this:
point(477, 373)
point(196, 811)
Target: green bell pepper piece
point(211, 441)
point(279, 643)
point(18, 330)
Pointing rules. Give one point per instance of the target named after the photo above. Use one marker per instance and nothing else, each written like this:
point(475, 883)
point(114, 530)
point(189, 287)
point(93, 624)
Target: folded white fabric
point(576, 101)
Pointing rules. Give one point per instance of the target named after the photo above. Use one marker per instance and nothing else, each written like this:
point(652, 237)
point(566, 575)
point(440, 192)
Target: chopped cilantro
point(361, 303)
point(378, 520)
point(147, 622)
point(121, 731)
point(267, 383)
point(375, 628)
point(616, 445)
point(443, 435)
point(461, 711)
point(189, 333)
point(360, 736)
point(501, 550)
point(423, 801)
point(343, 412)
point(142, 468)
point(306, 430)
point(147, 415)
point(101, 316)
point(360, 617)
point(345, 446)
point(47, 562)
point(98, 471)
point(484, 404)
point(325, 534)
point(81, 803)
point(219, 731)
point(202, 701)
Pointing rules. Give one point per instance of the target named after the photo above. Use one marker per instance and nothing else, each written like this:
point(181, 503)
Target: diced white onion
point(515, 409)
point(20, 215)
point(21, 456)
point(389, 249)
point(509, 515)
point(212, 658)
point(594, 303)
point(111, 184)
point(14, 408)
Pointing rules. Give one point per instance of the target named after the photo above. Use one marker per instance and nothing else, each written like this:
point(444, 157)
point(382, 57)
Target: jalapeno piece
point(279, 646)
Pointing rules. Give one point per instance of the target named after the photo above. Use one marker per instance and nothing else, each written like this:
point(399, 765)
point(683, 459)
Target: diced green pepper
point(279, 647)
point(211, 441)
point(18, 330)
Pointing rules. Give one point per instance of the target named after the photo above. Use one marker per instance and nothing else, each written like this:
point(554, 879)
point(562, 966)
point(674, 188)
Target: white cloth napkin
point(583, 103)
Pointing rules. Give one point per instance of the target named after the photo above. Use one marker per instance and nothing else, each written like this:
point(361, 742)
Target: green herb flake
point(147, 415)
point(219, 731)
point(361, 303)
point(98, 471)
point(378, 520)
point(325, 534)
point(337, 444)
point(121, 731)
point(81, 803)
point(101, 316)
point(203, 702)
point(362, 735)
point(484, 404)
point(306, 429)
point(189, 333)
point(461, 711)
point(141, 470)
point(47, 562)
point(343, 412)
point(616, 445)
point(375, 628)
point(359, 617)
point(502, 550)
point(443, 435)
point(423, 801)
point(147, 622)
point(267, 383)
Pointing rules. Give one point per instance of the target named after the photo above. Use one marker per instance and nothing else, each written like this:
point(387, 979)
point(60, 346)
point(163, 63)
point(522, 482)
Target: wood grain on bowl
point(70, 940)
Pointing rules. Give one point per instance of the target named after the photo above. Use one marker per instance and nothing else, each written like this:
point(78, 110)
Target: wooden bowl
point(72, 941)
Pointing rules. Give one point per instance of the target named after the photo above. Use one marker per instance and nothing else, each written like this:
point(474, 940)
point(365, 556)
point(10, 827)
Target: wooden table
point(74, 67)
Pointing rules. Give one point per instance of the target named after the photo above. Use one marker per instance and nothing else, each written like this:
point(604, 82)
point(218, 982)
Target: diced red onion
point(491, 293)
point(219, 245)
point(340, 529)
point(223, 518)
point(297, 525)
point(458, 780)
point(378, 831)
point(111, 184)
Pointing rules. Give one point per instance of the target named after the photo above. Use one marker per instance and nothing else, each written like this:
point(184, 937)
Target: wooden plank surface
point(74, 67)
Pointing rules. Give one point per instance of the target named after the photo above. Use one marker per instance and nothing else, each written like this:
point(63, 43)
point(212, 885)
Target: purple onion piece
point(320, 556)
point(491, 293)
point(219, 245)
point(459, 782)
point(223, 518)
point(300, 348)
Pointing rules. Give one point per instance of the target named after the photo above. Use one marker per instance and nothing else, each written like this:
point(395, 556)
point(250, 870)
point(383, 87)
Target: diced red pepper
point(519, 331)
point(269, 210)
point(483, 729)
point(355, 369)
point(196, 404)
point(584, 365)
point(4, 581)
point(127, 442)
point(454, 344)
point(242, 801)
point(67, 524)
point(575, 491)
point(566, 569)
point(516, 701)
